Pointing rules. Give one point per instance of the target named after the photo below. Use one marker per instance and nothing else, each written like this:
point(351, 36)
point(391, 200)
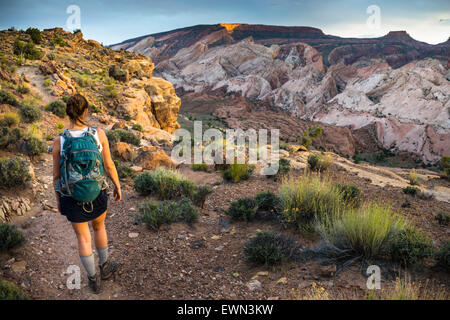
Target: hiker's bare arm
point(56, 152)
point(108, 164)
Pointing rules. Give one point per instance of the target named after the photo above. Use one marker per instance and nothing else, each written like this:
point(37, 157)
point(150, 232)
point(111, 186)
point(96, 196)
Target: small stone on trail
point(19, 267)
point(261, 273)
point(216, 237)
point(219, 248)
point(254, 285)
point(282, 280)
point(133, 235)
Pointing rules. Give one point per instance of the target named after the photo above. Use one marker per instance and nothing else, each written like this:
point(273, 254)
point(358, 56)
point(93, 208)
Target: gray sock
point(102, 255)
point(89, 264)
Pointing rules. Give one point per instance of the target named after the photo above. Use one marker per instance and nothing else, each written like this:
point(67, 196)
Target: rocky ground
point(205, 261)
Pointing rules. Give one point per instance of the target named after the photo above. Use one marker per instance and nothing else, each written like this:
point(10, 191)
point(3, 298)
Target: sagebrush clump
point(443, 256)
point(410, 246)
point(120, 135)
point(242, 209)
point(268, 248)
point(30, 113)
point(10, 237)
point(9, 291)
point(13, 172)
point(238, 172)
point(57, 107)
point(318, 162)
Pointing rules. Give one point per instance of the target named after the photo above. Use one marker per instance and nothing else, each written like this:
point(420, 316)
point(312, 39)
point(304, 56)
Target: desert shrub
point(35, 35)
point(350, 193)
point(11, 118)
point(27, 50)
point(267, 248)
point(51, 56)
point(309, 135)
point(59, 41)
point(366, 232)
point(7, 98)
point(164, 183)
point(10, 237)
point(57, 107)
point(76, 31)
point(83, 80)
point(111, 91)
point(200, 194)
point(237, 172)
point(284, 167)
point(410, 190)
point(443, 255)
point(443, 218)
point(242, 209)
point(413, 178)
point(137, 127)
point(22, 89)
point(268, 201)
point(154, 214)
point(9, 137)
point(309, 199)
point(200, 167)
point(9, 291)
point(121, 135)
point(13, 172)
point(123, 170)
point(47, 83)
point(319, 162)
point(410, 246)
point(33, 146)
point(94, 109)
point(30, 113)
point(189, 213)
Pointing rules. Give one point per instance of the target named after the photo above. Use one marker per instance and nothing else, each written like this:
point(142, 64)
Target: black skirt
point(74, 212)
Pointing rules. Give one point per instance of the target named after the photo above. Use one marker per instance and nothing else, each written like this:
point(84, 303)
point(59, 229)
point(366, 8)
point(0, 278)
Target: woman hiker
point(80, 155)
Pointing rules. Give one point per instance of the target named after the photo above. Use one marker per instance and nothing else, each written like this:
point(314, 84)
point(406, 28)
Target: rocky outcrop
point(10, 207)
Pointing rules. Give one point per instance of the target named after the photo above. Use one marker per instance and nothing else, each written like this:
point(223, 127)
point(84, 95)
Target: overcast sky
point(114, 21)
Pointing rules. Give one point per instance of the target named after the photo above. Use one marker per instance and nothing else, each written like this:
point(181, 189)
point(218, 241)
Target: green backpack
point(81, 167)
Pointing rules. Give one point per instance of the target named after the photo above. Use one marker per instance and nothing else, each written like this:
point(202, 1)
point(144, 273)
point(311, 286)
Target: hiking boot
point(108, 269)
point(94, 283)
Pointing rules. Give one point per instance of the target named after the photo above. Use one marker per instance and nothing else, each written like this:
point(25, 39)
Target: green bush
point(94, 109)
point(268, 249)
point(310, 199)
point(123, 170)
point(22, 89)
point(446, 165)
point(410, 246)
point(164, 183)
point(7, 98)
point(268, 201)
point(35, 35)
point(9, 137)
point(57, 107)
point(121, 135)
point(59, 41)
point(200, 194)
point(350, 193)
point(309, 135)
point(111, 91)
point(27, 50)
point(443, 255)
point(413, 178)
point(13, 172)
point(154, 214)
point(200, 167)
point(137, 127)
point(367, 232)
point(34, 147)
point(443, 218)
point(242, 209)
point(11, 119)
point(318, 162)
point(10, 237)
point(237, 172)
point(9, 291)
point(410, 190)
point(284, 167)
point(30, 114)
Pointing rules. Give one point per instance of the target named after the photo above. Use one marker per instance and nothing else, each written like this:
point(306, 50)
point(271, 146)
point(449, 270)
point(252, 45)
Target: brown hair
point(75, 107)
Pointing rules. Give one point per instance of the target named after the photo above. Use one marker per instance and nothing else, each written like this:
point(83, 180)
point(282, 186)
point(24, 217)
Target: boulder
point(123, 151)
point(152, 158)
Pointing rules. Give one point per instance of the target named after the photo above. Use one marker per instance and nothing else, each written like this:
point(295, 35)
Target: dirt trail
point(37, 79)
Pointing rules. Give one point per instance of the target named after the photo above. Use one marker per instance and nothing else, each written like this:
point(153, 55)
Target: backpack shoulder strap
point(92, 131)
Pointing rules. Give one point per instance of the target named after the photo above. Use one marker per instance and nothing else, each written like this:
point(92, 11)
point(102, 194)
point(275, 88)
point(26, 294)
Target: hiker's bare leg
point(100, 237)
point(84, 238)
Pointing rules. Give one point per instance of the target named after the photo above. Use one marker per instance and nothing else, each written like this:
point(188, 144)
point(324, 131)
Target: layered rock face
point(407, 106)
